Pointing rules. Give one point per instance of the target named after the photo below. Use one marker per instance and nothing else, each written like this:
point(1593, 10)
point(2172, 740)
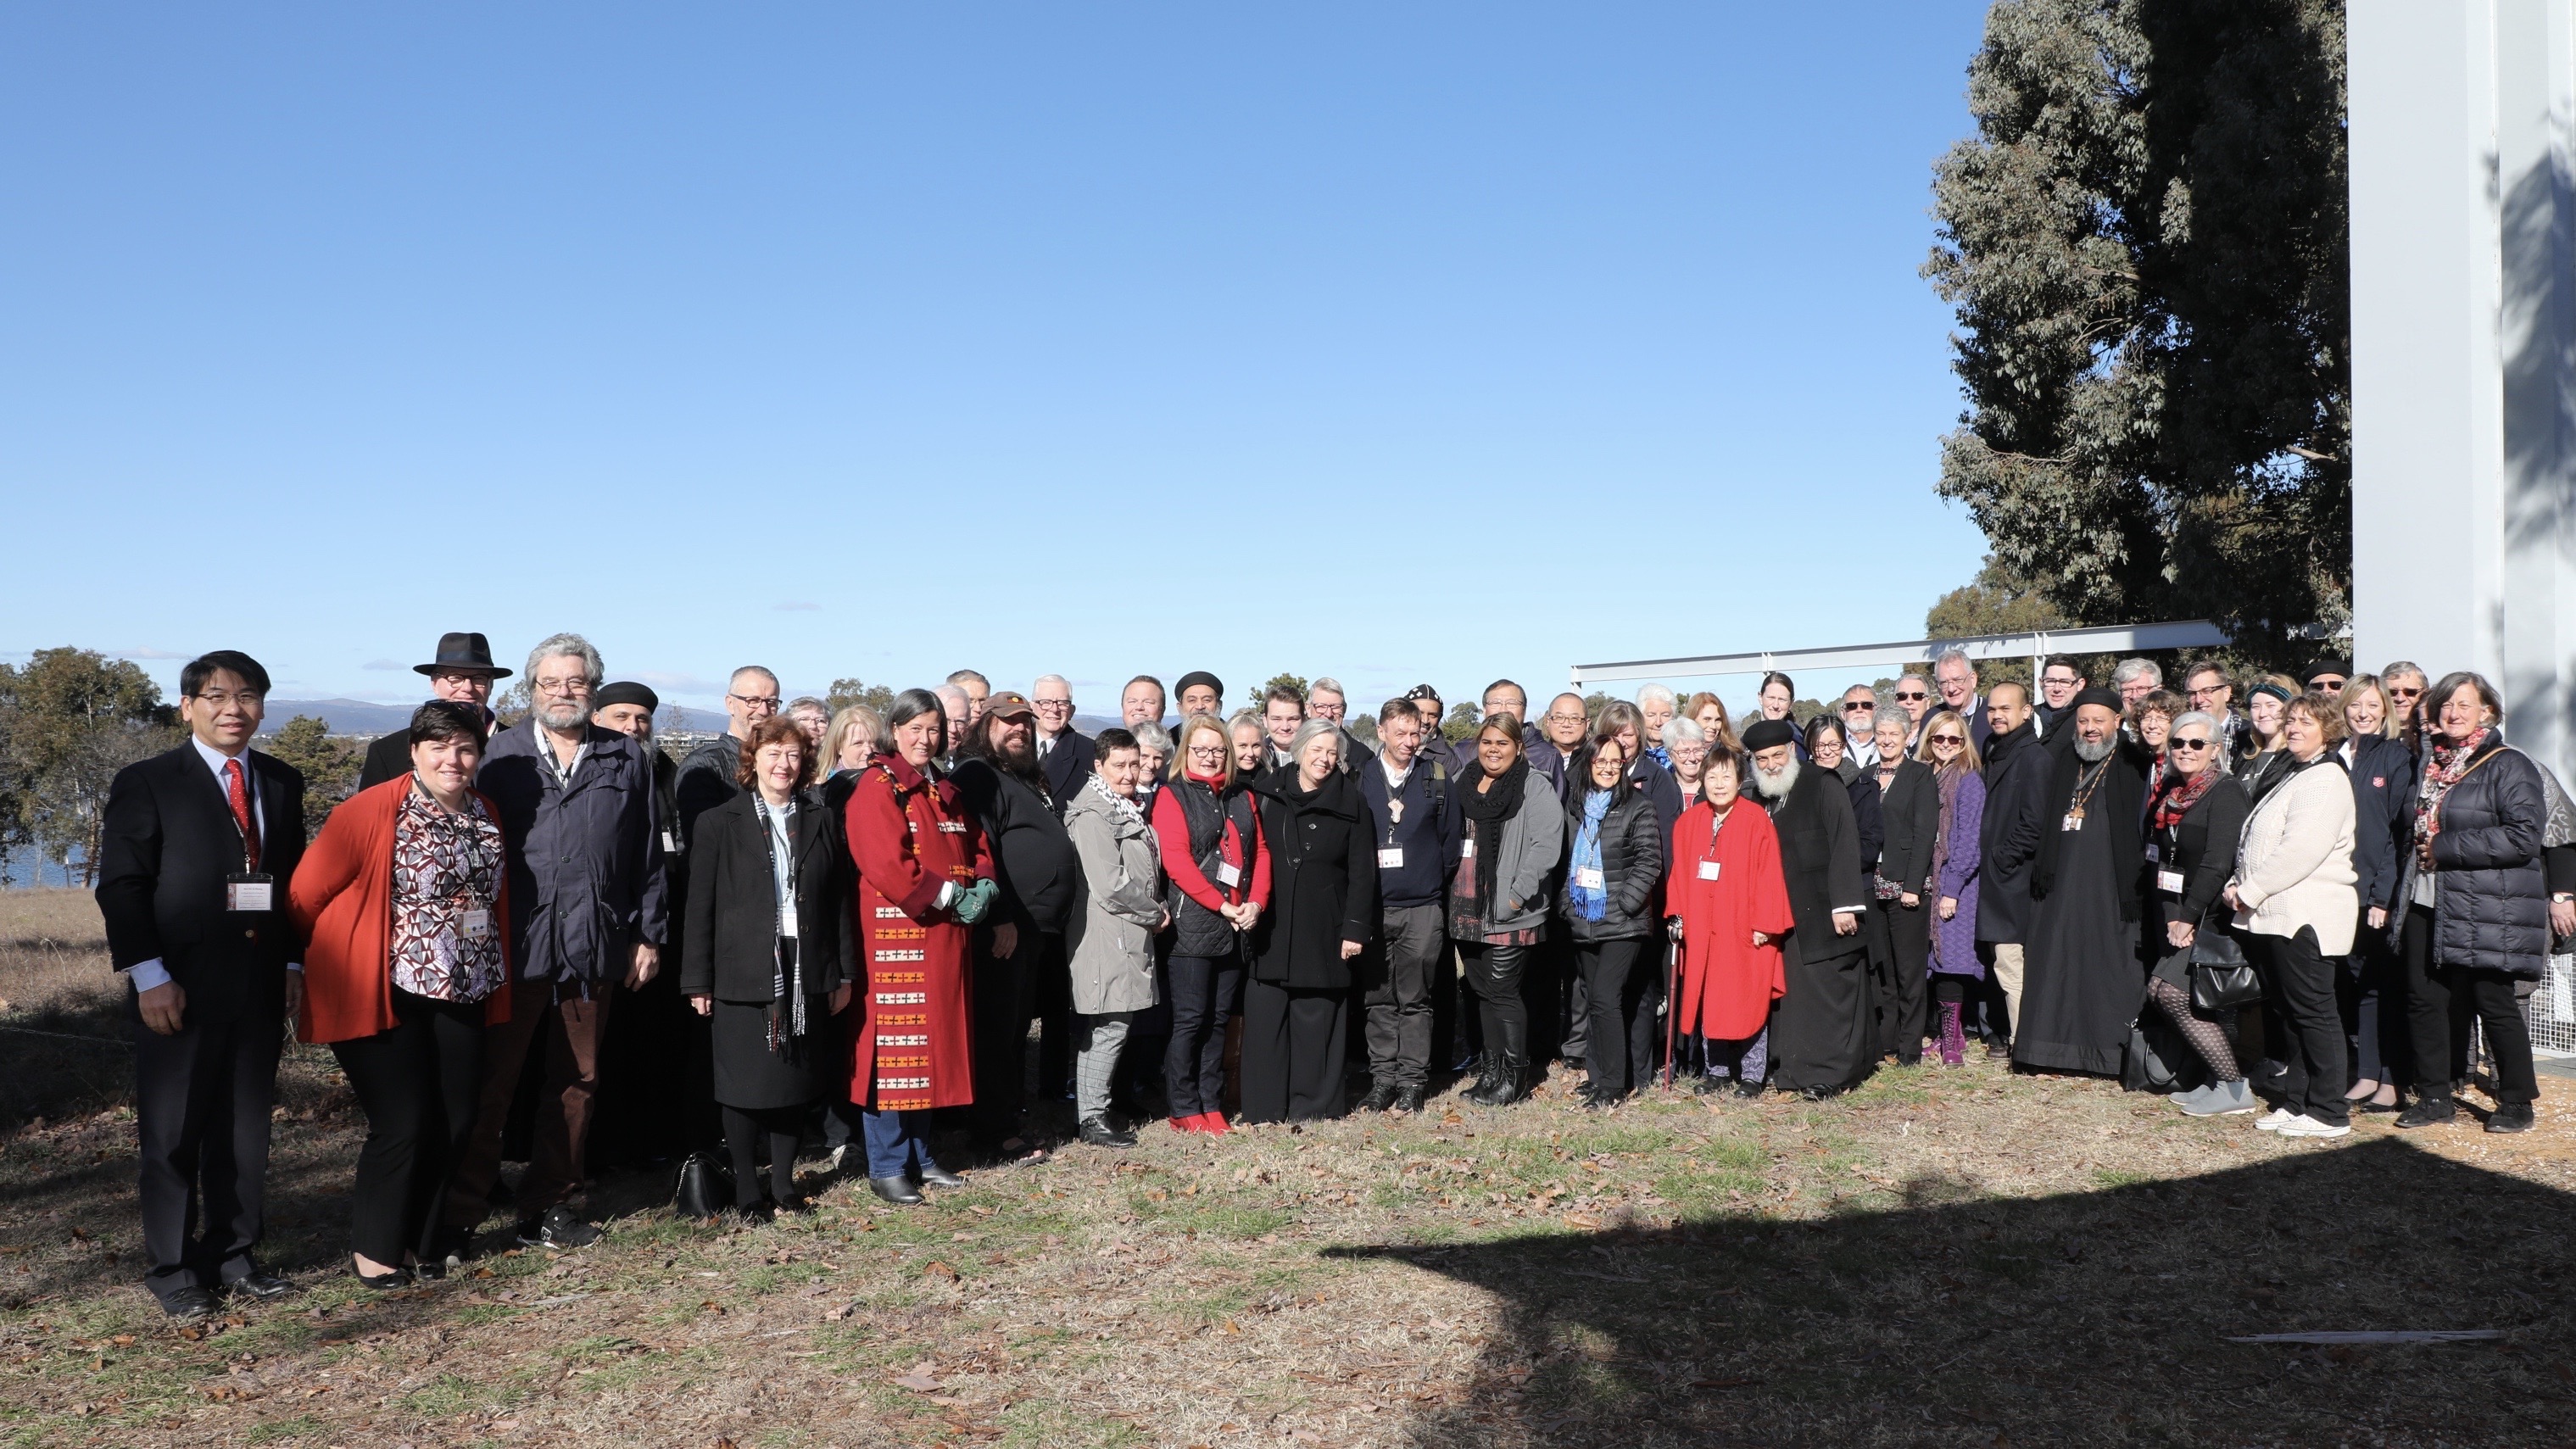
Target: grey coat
point(1532, 849)
point(586, 872)
point(1111, 941)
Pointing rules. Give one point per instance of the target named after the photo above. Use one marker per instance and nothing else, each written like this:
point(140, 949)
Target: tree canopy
point(2146, 245)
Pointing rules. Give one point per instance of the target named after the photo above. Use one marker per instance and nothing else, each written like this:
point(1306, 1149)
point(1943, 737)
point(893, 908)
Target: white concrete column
point(2464, 348)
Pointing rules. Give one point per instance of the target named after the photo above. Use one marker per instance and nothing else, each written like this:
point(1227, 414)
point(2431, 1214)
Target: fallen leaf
point(123, 1340)
point(937, 1269)
point(918, 1383)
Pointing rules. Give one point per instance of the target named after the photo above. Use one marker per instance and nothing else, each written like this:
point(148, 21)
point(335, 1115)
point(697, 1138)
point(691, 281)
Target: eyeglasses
point(2402, 694)
point(571, 687)
point(753, 703)
point(218, 698)
point(2183, 744)
point(2203, 691)
point(1212, 752)
point(1052, 704)
point(1949, 739)
point(1916, 696)
point(2060, 679)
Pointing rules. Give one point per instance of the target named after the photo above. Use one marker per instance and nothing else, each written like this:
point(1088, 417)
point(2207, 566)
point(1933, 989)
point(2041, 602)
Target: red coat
point(1727, 982)
point(343, 900)
point(909, 835)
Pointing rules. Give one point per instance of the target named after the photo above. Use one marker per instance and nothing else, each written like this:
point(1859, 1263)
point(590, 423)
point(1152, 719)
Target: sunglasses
point(1918, 694)
point(1858, 704)
point(2189, 744)
point(1949, 739)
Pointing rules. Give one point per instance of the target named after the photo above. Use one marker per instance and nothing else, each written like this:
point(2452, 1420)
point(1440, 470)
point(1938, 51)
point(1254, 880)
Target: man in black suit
point(462, 673)
point(196, 848)
point(1955, 677)
point(1064, 753)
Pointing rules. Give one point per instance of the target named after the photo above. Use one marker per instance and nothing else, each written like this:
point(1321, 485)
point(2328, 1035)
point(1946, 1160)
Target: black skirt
point(753, 1077)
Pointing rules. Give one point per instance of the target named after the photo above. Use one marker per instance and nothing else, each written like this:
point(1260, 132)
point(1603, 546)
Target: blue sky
point(1394, 343)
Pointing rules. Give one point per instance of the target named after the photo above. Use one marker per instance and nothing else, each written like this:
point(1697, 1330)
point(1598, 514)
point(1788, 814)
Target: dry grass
point(1945, 1258)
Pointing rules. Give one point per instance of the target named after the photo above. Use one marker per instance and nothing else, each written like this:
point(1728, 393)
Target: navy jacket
point(1066, 764)
point(1427, 832)
point(586, 869)
point(2017, 771)
point(2383, 789)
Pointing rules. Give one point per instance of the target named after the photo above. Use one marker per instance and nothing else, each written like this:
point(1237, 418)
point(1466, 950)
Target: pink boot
point(1954, 1040)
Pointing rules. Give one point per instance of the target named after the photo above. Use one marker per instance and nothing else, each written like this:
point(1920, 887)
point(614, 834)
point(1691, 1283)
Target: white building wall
point(2464, 347)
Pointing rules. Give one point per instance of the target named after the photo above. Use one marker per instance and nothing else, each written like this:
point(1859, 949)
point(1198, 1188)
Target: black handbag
point(2221, 978)
point(704, 1188)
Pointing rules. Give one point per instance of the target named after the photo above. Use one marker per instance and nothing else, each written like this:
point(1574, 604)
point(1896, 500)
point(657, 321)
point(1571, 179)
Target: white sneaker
point(2304, 1125)
point(2275, 1120)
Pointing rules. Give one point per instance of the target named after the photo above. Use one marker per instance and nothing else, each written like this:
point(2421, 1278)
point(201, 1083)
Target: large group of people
point(857, 921)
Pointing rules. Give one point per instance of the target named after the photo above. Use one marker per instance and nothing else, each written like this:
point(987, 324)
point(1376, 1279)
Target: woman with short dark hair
point(767, 955)
point(1111, 943)
point(401, 898)
point(925, 879)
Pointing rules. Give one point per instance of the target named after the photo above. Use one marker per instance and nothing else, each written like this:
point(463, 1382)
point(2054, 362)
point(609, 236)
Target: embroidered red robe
point(909, 835)
point(1725, 889)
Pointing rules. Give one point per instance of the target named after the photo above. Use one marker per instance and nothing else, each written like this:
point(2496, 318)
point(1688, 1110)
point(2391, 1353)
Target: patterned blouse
point(447, 880)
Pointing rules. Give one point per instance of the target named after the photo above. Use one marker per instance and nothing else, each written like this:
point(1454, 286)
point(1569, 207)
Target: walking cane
point(1672, 1013)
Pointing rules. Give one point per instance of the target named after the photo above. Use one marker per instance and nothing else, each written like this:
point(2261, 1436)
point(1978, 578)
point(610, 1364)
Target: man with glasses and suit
point(1860, 741)
point(1064, 753)
point(196, 847)
point(461, 674)
point(1955, 678)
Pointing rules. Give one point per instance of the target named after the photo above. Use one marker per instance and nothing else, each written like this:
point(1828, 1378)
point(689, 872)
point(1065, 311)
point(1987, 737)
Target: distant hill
point(358, 717)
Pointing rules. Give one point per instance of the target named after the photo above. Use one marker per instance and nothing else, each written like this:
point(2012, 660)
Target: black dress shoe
point(1381, 1095)
point(1099, 1132)
point(557, 1229)
point(795, 1204)
point(381, 1282)
point(896, 1190)
point(935, 1175)
point(187, 1303)
point(1408, 1098)
point(259, 1283)
point(1747, 1087)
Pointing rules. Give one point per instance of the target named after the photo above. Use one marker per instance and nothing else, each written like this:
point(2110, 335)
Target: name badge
point(787, 919)
point(476, 925)
point(2155, 852)
point(1708, 870)
point(1587, 877)
point(2072, 821)
point(2169, 881)
point(1228, 873)
point(952, 827)
point(1467, 849)
point(670, 843)
point(250, 893)
point(1391, 858)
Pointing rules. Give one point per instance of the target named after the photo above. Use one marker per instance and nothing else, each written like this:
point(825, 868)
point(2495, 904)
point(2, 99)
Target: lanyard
point(2085, 789)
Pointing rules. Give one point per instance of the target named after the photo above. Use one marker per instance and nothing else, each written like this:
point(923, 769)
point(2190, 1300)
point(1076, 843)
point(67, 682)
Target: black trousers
point(2440, 1002)
point(1620, 984)
point(1203, 990)
point(1004, 1002)
point(1494, 975)
point(1295, 1044)
point(1902, 1007)
point(201, 1102)
point(1050, 989)
point(419, 1084)
point(2299, 992)
point(2372, 991)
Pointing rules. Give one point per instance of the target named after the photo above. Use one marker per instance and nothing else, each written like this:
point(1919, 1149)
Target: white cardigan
point(2294, 861)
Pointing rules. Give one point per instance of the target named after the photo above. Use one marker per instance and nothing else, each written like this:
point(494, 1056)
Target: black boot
point(1507, 1050)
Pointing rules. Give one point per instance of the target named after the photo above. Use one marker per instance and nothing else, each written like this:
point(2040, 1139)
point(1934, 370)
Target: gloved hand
point(975, 900)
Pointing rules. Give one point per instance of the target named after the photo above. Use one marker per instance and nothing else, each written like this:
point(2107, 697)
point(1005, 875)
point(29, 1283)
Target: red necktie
point(240, 797)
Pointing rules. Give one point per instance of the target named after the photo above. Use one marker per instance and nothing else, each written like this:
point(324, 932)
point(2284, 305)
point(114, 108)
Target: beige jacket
point(1111, 939)
point(2294, 861)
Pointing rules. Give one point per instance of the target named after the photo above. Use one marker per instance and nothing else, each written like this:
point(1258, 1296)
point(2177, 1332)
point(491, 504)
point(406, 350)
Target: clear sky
point(1388, 342)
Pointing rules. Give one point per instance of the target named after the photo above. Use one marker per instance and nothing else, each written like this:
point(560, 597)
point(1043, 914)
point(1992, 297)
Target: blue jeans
point(895, 1145)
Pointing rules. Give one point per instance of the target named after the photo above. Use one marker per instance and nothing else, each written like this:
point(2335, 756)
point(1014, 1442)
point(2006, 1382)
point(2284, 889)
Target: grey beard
point(562, 717)
point(2093, 753)
point(1776, 786)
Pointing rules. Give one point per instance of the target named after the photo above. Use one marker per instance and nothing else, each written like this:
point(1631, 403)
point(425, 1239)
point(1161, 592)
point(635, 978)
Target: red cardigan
point(343, 899)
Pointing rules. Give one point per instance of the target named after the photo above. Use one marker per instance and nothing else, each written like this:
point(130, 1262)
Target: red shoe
point(1211, 1123)
point(1185, 1124)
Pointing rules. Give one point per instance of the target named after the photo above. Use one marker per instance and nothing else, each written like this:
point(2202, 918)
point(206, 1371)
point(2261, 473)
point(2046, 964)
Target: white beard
point(1776, 786)
point(2093, 754)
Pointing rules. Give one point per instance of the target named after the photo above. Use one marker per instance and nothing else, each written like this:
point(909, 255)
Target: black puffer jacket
point(2492, 909)
point(1632, 867)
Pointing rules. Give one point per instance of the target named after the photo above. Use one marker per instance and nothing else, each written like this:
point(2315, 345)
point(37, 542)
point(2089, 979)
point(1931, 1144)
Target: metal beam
point(2111, 639)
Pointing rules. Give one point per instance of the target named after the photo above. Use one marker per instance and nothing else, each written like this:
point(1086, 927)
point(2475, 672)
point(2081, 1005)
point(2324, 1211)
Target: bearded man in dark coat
point(1822, 1036)
point(2083, 981)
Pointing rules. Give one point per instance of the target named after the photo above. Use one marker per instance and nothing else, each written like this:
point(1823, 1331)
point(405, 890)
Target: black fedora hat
point(463, 654)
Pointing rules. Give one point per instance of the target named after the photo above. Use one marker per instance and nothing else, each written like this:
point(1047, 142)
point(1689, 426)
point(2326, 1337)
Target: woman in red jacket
point(1729, 907)
point(401, 898)
point(1220, 880)
point(925, 879)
